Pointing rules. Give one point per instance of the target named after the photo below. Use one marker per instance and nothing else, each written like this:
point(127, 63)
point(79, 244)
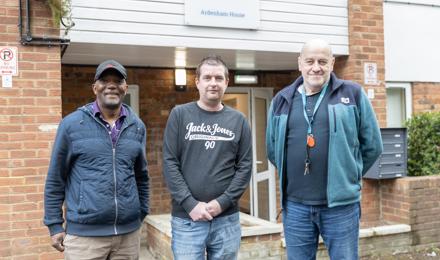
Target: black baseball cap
point(110, 64)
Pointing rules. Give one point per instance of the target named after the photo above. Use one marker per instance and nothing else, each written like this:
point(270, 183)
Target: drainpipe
point(28, 39)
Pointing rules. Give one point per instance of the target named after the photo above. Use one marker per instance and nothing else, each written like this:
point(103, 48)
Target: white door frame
point(269, 174)
point(266, 93)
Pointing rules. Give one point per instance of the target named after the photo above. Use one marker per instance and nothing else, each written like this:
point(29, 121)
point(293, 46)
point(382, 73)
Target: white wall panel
point(419, 2)
point(305, 8)
point(284, 25)
point(412, 40)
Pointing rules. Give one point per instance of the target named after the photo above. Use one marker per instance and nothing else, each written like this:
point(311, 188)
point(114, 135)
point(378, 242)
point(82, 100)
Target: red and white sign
point(8, 61)
point(370, 73)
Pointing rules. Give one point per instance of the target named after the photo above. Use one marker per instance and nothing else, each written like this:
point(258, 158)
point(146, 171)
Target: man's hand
point(214, 208)
point(57, 241)
point(199, 212)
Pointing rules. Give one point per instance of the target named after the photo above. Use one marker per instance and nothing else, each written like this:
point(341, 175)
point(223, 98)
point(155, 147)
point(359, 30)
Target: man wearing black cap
point(98, 169)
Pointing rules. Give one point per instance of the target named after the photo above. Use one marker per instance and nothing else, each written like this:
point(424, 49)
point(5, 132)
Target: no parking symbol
point(8, 61)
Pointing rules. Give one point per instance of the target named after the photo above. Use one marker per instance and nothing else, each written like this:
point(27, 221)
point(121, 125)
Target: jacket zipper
point(114, 175)
point(114, 178)
point(334, 119)
point(114, 168)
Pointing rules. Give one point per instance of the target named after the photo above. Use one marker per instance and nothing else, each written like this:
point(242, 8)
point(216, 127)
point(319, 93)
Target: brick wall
point(366, 44)
point(268, 247)
point(370, 203)
point(415, 201)
point(395, 202)
point(426, 97)
point(29, 111)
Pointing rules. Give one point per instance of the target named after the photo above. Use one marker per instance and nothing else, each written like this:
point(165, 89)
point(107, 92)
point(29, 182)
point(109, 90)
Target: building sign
point(242, 14)
point(370, 73)
point(8, 61)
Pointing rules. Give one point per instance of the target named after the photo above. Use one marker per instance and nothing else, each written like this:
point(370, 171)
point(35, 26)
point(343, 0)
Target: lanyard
point(321, 96)
point(310, 139)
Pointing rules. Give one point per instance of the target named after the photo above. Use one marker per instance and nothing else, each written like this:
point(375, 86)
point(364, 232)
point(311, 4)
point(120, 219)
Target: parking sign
point(8, 61)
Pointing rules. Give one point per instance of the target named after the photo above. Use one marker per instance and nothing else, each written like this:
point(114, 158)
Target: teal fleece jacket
point(354, 139)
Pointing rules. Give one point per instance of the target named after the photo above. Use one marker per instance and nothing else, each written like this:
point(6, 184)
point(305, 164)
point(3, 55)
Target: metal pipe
point(29, 40)
point(20, 19)
point(47, 41)
point(28, 21)
point(51, 39)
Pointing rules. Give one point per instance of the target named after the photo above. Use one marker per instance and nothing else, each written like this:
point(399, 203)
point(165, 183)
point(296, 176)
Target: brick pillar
point(366, 44)
point(29, 114)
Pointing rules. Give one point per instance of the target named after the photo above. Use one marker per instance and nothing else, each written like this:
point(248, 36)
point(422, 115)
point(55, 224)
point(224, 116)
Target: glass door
point(263, 181)
point(240, 101)
point(260, 198)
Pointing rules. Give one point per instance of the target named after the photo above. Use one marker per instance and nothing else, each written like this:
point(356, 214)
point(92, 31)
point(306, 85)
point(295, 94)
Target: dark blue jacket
point(104, 187)
point(354, 139)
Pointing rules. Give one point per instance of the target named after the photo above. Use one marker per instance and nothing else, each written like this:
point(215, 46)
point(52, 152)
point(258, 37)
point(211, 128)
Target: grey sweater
point(206, 156)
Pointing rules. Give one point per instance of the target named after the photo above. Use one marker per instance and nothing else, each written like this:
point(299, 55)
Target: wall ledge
point(374, 232)
point(250, 226)
point(384, 230)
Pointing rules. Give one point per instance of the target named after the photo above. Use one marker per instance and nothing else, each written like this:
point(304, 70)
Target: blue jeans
point(338, 227)
point(217, 239)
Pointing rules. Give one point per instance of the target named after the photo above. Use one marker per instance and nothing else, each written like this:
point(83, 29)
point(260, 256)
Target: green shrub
point(424, 144)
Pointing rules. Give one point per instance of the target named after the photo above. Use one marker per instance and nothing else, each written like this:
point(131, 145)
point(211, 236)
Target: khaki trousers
point(119, 247)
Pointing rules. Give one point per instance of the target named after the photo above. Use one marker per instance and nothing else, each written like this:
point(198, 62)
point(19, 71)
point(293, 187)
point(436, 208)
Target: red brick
point(11, 199)
point(21, 119)
point(23, 189)
point(35, 144)
point(11, 111)
point(36, 162)
point(22, 136)
point(49, 101)
point(11, 181)
point(10, 145)
point(11, 163)
point(54, 66)
point(33, 57)
point(19, 207)
point(21, 101)
point(35, 92)
point(23, 172)
point(34, 180)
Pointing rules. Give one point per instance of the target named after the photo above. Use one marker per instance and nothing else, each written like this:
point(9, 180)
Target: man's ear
point(94, 88)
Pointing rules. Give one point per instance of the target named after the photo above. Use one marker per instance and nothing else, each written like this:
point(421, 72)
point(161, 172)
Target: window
point(132, 98)
point(399, 103)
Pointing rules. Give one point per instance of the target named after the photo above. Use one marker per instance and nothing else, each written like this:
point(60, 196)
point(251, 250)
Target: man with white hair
point(322, 136)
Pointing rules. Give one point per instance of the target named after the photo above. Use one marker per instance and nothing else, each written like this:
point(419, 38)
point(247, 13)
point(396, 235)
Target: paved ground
point(427, 254)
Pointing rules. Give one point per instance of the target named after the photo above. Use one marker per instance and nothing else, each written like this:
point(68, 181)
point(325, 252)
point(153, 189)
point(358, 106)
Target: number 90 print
point(209, 144)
